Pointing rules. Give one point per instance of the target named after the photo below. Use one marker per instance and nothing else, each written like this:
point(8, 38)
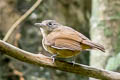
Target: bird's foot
point(73, 62)
point(74, 58)
point(53, 57)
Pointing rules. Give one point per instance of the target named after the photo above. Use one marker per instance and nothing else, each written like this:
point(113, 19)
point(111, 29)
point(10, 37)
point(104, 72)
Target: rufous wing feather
point(67, 44)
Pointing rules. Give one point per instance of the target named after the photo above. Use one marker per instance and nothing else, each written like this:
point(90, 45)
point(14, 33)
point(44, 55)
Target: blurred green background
point(99, 20)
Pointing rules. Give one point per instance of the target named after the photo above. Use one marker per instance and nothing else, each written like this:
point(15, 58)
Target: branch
point(44, 61)
point(23, 17)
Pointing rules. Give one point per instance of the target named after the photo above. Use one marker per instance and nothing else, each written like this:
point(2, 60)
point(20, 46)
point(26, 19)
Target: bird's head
point(47, 25)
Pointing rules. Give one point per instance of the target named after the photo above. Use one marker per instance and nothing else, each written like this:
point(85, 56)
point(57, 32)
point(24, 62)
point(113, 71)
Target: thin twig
point(23, 17)
point(44, 61)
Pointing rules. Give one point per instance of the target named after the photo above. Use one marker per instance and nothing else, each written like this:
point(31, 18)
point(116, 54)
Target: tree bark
point(105, 30)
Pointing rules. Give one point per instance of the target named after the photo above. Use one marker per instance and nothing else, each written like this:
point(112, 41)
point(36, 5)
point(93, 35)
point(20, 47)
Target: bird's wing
point(66, 33)
point(68, 38)
point(65, 38)
point(66, 44)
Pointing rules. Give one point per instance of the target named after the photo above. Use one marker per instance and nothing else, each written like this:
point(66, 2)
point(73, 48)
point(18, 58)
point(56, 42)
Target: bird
point(63, 41)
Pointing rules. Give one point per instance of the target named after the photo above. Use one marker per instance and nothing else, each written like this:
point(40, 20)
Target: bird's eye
point(49, 24)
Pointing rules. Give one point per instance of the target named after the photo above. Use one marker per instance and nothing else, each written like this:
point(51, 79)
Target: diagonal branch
point(23, 17)
point(44, 61)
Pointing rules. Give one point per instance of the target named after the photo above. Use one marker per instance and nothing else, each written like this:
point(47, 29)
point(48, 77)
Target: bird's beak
point(39, 25)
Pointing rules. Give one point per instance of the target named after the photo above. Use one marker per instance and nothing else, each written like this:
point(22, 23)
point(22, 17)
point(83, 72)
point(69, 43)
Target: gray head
point(48, 25)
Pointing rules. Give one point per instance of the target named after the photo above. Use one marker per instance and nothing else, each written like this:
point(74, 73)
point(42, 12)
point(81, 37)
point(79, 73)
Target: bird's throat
point(44, 33)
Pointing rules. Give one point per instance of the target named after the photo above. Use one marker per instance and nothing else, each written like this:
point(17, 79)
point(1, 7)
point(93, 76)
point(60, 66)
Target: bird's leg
point(53, 57)
point(73, 61)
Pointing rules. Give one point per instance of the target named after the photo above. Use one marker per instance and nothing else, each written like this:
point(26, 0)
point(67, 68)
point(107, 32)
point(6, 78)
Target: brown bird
point(64, 41)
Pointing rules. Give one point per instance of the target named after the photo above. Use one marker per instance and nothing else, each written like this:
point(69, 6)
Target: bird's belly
point(62, 53)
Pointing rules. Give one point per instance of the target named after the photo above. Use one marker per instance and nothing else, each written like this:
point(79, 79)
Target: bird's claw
point(53, 58)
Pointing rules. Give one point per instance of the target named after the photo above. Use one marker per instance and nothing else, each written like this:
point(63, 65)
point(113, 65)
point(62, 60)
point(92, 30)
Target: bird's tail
point(94, 45)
